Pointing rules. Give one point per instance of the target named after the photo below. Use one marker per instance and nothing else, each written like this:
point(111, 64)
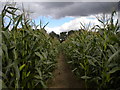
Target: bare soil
point(63, 76)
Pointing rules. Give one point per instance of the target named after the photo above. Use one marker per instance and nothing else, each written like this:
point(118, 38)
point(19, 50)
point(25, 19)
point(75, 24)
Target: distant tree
point(71, 32)
point(54, 35)
point(63, 36)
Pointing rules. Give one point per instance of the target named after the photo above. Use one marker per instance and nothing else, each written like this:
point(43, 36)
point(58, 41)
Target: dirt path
point(64, 78)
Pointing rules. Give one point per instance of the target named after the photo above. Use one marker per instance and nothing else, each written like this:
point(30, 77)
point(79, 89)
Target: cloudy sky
point(65, 16)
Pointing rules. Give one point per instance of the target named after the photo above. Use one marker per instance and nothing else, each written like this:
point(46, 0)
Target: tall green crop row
point(28, 55)
point(0, 53)
point(95, 56)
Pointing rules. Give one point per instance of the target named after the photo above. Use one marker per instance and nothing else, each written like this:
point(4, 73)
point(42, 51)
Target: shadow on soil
point(63, 76)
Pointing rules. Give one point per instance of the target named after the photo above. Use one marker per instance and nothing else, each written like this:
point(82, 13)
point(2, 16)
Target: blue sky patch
point(53, 22)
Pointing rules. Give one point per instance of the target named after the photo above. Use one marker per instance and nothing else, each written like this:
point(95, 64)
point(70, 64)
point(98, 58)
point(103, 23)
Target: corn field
point(95, 56)
point(29, 55)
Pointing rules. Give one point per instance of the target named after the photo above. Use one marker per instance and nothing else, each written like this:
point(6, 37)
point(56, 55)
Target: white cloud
point(74, 24)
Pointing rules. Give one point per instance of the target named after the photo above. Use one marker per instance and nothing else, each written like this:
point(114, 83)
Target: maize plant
point(28, 55)
point(95, 56)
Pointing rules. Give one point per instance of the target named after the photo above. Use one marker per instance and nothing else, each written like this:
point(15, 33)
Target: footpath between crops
point(63, 77)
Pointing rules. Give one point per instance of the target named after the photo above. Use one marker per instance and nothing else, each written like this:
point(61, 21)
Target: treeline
point(63, 35)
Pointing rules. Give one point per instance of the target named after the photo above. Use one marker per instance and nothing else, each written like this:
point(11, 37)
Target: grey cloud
point(56, 4)
point(62, 9)
point(84, 9)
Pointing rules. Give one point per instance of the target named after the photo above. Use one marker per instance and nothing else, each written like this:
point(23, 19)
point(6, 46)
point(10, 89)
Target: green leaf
point(82, 66)
point(12, 8)
point(70, 62)
point(11, 74)
point(18, 21)
point(111, 58)
point(38, 77)
point(85, 77)
point(115, 39)
point(10, 12)
point(5, 49)
point(114, 70)
point(28, 74)
point(91, 62)
point(44, 55)
point(5, 36)
point(112, 48)
point(39, 72)
point(3, 84)
point(17, 73)
point(39, 55)
point(45, 25)
point(112, 65)
point(9, 66)
point(21, 67)
point(48, 62)
point(50, 66)
point(3, 75)
point(74, 69)
point(43, 84)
